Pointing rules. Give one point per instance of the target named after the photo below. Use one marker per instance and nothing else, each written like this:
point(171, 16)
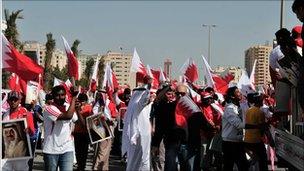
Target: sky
point(158, 29)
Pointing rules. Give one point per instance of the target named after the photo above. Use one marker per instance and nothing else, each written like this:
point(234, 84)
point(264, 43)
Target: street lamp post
point(209, 40)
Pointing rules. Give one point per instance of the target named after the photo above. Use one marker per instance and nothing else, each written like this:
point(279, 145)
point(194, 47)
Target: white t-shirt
point(58, 133)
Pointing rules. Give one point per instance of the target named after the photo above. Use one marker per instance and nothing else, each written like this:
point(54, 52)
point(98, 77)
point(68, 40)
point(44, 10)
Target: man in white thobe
point(136, 136)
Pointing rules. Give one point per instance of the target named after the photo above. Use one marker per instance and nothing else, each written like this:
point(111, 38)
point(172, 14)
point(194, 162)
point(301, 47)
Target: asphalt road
point(115, 163)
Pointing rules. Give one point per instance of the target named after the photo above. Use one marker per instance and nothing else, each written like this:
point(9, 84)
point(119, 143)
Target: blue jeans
point(63, 161)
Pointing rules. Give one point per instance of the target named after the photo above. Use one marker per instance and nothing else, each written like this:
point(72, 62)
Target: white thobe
point(136, 136)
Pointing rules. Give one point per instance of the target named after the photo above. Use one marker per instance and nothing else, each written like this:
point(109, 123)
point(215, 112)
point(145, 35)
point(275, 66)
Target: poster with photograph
point(31, 91)
point(98, 129)
point(15, 141)
point(120, 117)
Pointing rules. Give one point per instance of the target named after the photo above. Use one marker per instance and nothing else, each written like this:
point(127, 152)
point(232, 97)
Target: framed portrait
point(98, 129)
point(121, 114)
point(15, 140)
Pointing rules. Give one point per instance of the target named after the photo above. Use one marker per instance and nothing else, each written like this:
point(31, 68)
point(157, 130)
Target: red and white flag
point(110, 82)
point(218, 83)
point(185, 107)
point(20, 64)
point(222, 83)
point(154, 74)
point(94, 81)
point(138, 67)
point(190, 71)
point(15, 83)
point(73, 64)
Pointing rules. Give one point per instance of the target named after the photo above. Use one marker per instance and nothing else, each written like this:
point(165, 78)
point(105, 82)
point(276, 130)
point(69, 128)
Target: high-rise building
point(168, 68)
point(36, 51)
point(121, 63)
point(261, 53)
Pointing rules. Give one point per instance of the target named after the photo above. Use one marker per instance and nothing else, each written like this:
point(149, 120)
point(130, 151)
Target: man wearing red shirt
point(81, 136)
point(16, 111)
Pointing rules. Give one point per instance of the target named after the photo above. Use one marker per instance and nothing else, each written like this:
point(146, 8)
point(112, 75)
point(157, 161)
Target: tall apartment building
point(121, 66)
point(83, 58)
point(36, 51)
point(261, 53)
point(168, 68)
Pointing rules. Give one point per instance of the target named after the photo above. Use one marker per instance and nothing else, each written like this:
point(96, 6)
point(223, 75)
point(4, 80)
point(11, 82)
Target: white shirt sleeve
point(52, 112)
point(275, 55)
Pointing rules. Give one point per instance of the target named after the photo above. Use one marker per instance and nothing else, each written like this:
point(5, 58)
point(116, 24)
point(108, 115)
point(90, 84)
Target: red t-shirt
point(21, 112)
point(86, 110)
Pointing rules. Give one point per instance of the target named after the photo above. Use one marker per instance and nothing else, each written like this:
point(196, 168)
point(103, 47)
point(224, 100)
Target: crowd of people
point(161, 129)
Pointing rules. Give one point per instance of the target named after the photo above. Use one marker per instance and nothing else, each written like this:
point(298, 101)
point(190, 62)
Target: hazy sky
point(157, 29)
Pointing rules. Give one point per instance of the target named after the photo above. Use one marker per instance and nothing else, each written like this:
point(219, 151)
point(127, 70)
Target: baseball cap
point(14, 94)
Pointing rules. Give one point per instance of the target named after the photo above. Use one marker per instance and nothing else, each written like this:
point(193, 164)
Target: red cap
point(297, 29)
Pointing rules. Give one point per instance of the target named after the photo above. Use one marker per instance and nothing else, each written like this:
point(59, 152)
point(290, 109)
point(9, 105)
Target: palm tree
point(11, 32)
point(50, 47)
point(74, 48)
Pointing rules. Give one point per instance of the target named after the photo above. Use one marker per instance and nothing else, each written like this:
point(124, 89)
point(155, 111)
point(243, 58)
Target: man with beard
point(58, 148)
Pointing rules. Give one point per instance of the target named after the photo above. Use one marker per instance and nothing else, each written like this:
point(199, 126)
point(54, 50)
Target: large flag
point(94, 81)
point(185, 107)
point(190, 71)
point(72, 61)
point(138, 67)
point(20, 64)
